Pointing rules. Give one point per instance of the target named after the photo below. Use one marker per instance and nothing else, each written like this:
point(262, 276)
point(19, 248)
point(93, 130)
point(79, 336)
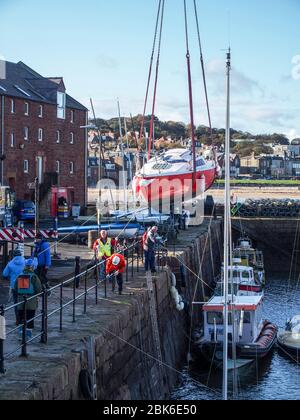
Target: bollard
point(132, 262)
point(61, 308)
point(97, 282)
point(77, 271)
point(92, 237)
point(74, 301)
point(2, 338)
point(85, 292)
point(126, 256)
point(44, 336)
point(55, 254)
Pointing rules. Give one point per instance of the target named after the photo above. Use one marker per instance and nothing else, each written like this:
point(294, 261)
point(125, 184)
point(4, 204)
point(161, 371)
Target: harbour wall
point(278, 238)
point(127, 366)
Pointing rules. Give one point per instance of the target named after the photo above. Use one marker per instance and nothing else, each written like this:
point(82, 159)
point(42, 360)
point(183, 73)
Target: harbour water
point(275, 378)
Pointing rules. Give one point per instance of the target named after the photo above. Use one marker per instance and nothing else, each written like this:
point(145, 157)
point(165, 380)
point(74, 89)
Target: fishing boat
point(289, 339)
point(243, 282)
point(171, 175)
point(252, 336)
point(251, 257)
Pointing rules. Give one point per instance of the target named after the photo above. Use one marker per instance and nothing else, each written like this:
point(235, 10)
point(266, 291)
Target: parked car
point(24, 210)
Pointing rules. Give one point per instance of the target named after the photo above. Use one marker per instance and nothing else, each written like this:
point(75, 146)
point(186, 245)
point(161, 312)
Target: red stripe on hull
point(175, 186)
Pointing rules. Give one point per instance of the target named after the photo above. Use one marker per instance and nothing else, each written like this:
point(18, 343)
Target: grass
point(273, 182)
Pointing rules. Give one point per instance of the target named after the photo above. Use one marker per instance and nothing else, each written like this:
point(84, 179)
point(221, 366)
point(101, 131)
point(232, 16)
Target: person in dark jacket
point(149, 245)
point(27, 285)
point(42, 252)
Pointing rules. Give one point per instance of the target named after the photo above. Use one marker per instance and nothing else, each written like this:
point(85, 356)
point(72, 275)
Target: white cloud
point(293, 134)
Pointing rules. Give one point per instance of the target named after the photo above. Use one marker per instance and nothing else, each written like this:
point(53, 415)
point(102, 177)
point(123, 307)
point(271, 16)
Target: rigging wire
point(188, 59)
point(203, 71)
point(156, 81)
point(150, 70)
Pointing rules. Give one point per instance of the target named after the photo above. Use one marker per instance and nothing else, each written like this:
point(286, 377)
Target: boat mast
point(123, 158)
point(128, 152)
point(227, 235)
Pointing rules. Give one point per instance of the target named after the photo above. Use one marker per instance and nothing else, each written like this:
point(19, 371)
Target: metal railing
point(88, 279)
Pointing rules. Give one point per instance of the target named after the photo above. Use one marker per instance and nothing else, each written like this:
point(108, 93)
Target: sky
point(102, 49)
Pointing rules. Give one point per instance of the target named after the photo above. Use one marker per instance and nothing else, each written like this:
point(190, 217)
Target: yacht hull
point(155, 189)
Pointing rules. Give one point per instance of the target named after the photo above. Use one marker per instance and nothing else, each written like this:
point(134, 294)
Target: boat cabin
point(247, 319)
point(243, 282)
point(174, 161)
point(248, 255)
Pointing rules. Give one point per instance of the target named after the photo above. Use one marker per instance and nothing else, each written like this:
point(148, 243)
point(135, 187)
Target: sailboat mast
point(227, 235)
point(123, 158)
point(128, 153)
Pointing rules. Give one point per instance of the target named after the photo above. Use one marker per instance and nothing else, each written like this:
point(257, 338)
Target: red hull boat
point(171, 176)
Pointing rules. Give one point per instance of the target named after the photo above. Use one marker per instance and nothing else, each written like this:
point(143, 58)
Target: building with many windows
point(40, 134)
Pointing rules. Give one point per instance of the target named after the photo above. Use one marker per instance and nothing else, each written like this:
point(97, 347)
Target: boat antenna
point(227, 235)
point(188, 58)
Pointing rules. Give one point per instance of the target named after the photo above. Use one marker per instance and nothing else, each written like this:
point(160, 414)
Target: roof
point(23, 82)
point(240, 268)
point(246, 303)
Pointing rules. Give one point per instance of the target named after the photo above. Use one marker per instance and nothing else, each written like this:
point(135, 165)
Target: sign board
point(2, 197)
point(31, 185)
point(110, 166)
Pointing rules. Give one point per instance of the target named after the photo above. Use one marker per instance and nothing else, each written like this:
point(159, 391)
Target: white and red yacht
point(172, 175)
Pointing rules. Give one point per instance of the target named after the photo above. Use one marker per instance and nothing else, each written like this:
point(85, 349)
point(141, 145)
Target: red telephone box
point(62, 200)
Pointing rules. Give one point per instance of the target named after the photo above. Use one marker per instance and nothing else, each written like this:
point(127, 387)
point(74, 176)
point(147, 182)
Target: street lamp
point(94, 127)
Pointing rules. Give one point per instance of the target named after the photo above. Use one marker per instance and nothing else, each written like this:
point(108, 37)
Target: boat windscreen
point(172, 159)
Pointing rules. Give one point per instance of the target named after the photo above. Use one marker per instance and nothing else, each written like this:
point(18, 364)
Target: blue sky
point(102, 49)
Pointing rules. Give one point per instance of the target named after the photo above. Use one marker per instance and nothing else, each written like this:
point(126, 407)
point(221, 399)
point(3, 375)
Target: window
point(26, 108)
point(61, 105)
point(57, 166)
point(72, 116)
point(12, 139)
point(217, 318)
point(41, 111)
point(71, 168)
point(12, 106)
point(26, 166)
point(58, 136)
point(41, 134)
point(3, 89)
point(26, 133)
point(71, 138)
